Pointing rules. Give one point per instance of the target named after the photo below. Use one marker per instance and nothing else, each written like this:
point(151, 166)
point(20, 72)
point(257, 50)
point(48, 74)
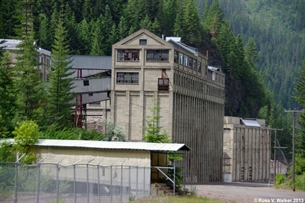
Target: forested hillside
point(278, 28)
point(94, 25)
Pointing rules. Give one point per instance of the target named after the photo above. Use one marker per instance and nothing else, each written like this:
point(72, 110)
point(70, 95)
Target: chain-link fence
point(45, 182)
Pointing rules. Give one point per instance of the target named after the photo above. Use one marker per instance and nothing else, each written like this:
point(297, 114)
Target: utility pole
point(293, 150)
point(274, 154)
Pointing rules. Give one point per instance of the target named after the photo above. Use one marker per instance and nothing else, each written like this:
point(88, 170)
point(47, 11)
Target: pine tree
point(191, 24)
point(300, 98)
point(122, 28)
point(44, 34)
point(28, 83)
point(59, 96)
point(8, 93)
point(96, 49)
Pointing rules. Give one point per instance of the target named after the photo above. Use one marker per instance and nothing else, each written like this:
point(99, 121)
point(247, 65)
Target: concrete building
point(44, 56)
point(246, 150)
point(148, 71)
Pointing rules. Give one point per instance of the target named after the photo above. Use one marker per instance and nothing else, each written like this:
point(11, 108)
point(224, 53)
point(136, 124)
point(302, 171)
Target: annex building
point(147, 72)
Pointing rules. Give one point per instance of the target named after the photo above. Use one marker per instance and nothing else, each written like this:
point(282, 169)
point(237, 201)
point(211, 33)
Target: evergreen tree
point(300, 98)
point(7, 21)
point(44, 33)
point(8, 95)
point(191, 24)
point(146, 23)
point(169, 12)
point(28, 83)
point(84, 37)
point(122, 28)
point(59, 96)
point(96, 48)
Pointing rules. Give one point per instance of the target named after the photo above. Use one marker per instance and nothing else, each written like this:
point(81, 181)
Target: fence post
point(129, 179)
point(111, 187)
point(74, 180)
point(98, 180)
point(174, 188)
point(144, 181)
point(38, 180)
point(57, 181)
point(111, 181)
point(87, 171)
point(137, 181)
point(16, 176)
point(121, 189)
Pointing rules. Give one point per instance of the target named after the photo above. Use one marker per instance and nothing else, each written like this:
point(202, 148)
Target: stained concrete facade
point(246, 151)
point(147, 72)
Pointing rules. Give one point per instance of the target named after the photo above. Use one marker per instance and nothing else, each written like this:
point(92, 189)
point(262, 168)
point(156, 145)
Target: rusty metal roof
point(105, 145)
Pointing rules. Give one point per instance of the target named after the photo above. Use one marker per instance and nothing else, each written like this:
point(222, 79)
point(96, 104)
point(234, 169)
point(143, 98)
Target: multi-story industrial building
point(247, 150)
point(43, 58)
point(149, 71)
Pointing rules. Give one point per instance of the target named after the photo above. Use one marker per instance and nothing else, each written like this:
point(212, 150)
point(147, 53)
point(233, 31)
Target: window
point(163, 84)
point(191, 63)
point(48, 63)
point(86, 82)
point(199, 66)
point(181, 59)
point(143, 42)
point(128, 54)
point(176, 56)
point(157, 55)
point(195, 64)
point(127, 78)
point(186, 61)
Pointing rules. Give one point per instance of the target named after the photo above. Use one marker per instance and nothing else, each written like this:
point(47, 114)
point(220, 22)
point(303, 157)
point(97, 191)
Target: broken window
point(157, 55)
point(128, 55)
point(127, 78)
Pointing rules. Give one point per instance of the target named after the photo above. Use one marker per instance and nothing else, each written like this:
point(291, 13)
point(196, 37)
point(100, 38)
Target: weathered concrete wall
point(191, 111)
point(249, 149)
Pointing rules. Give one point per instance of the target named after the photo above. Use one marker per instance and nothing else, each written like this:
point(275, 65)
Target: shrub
point(280, 178)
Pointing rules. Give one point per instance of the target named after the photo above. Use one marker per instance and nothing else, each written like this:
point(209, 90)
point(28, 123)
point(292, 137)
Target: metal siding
point(112, 145)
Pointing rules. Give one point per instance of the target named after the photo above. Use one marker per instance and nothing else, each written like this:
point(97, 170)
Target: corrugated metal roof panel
point(190, 49)
point(250, 123)
point(91, 62)
point(113, 145)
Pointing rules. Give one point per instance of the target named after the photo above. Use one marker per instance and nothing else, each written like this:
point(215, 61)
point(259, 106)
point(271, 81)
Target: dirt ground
point(247, 192)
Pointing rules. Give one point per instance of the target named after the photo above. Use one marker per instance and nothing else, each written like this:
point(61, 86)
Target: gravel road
point(248, 192)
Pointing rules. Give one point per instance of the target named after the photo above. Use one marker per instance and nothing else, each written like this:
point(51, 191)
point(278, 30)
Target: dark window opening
point(191, 63)
point(195, 64)
point(86, 82)
point(90, 94)
point(176, 58)
point(163, 84)
point(157, 55)
point(127, 78)
point(199, 66)
point(128, 55)
point(143, 42)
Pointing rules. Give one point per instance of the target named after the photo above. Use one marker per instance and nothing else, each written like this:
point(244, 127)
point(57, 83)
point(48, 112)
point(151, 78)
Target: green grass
point(176, 199)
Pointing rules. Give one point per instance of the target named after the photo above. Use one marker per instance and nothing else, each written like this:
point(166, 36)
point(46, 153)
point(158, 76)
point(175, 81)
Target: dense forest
point(94, 25)
point(279, 32)
point(256, 44)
